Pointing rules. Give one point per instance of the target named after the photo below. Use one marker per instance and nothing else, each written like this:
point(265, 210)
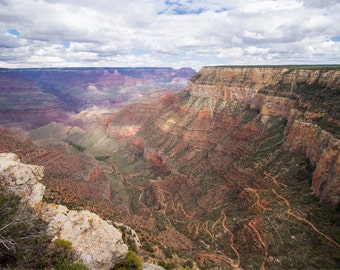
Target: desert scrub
point(24, 243)
point(148, 247)
point(23, 238)
point(166, 265)
point(132, 262)
point(76, 146)
point(62, 249)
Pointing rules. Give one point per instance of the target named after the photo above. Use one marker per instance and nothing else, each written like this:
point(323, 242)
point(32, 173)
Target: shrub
point(132, 262)
point(62, 250)
point(167, 265)
point(76, 146)
point(167, 251)
point(148, 247)
point(23, 239)
point(24, 243)
point(188, 264)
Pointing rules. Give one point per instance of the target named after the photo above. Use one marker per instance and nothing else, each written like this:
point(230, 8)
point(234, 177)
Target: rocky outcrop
point(21, 179)
point(95, 242)
point(326, 177)
point(241, 84)
point(308, 138)
point(149, 266)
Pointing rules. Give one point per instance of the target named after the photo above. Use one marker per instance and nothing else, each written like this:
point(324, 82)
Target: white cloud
point(167, 33)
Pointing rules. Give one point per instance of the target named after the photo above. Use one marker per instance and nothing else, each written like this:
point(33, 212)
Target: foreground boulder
point(95, 242)
point(22, 179)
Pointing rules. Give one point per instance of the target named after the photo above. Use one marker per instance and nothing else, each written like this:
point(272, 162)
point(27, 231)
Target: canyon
point(239, 170)
point(32, 98)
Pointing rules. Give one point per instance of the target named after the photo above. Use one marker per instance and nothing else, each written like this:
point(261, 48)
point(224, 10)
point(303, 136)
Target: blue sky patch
point(13, 32)
point(67, 44)
point(182, 11)
point(335, 39)
point(175, 7)
point(136, 51)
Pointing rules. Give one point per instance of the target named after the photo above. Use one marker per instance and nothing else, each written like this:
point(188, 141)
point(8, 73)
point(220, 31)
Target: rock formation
point(219, 174)
point(21, 179)
point(232, 153)
point(284, 92)
point(95, 242)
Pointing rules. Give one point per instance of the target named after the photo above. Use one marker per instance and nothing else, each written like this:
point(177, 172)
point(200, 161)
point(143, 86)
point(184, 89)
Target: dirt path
point(232, 236)
point(252, 225)
point(258, 202)
point(289, 212)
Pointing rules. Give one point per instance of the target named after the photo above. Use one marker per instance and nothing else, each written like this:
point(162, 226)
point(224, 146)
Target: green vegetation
point(323, 100)
point(148, 247)
point(102, 158)
point(62, 249)
point(128, 238)
point(132, 262)
point(23, 240)
point(76, 146)
point(162, 221)
point(166, 265)
point(24, 243)
point(168, 252)
point(188, 264)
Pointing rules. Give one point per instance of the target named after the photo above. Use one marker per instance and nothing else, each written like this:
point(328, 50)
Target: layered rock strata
point(288, 93)
point(221, 172)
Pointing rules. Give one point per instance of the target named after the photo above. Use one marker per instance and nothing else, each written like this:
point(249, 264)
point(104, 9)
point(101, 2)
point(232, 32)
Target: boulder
point(95, 242)
point(21, 179)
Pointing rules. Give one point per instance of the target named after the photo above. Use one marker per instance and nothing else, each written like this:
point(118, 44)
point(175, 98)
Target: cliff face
point(306, 98)
point(275, 90)
point(235, 153)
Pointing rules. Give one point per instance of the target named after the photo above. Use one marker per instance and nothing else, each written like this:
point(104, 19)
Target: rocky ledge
point(95, 242)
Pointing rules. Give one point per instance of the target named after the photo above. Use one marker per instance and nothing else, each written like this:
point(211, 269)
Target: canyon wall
point(231, 157)
point(308, 98)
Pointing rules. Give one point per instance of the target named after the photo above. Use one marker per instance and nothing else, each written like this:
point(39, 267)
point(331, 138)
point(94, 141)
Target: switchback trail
point(289, 212)
point(252, 224)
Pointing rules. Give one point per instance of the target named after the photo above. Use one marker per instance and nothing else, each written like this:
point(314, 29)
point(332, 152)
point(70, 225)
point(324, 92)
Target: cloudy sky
point(175, 33)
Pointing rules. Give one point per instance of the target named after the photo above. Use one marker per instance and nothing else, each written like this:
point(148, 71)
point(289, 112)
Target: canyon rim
point(240, 169)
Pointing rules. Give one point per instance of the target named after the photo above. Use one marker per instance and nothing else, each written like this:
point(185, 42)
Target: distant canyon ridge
point(31, 98)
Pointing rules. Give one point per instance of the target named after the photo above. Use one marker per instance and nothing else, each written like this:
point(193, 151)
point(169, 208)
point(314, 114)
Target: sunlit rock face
point(95, 242)
point(323, 150)
point(21, 179)
point(213, 107)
